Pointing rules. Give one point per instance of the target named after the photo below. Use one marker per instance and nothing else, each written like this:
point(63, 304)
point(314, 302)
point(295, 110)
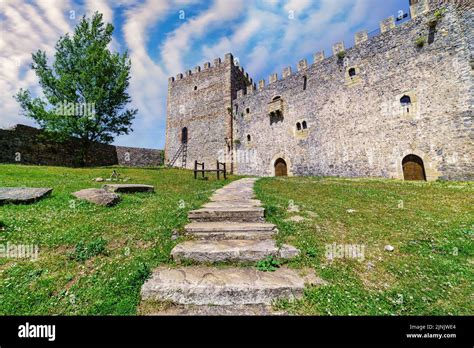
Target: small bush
point(311, 252)
point(439, 13)
point(268, 265)
point(341, 54)
point(85, 251)
point(420, 42)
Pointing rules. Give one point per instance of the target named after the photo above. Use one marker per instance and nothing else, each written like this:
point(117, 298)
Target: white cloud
point(25, 29)
point(259, 33)
point(179, 42)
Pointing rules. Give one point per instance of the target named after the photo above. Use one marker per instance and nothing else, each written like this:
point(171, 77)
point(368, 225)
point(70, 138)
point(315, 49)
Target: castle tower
point(199, 113)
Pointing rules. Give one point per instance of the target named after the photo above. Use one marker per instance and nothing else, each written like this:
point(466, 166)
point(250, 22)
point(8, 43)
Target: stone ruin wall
point(26, 145)
point(357, 126)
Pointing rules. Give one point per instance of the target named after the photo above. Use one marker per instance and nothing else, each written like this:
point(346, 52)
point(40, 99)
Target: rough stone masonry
point(362, 112)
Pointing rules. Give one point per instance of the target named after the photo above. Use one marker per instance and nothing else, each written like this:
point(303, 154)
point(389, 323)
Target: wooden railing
point(220, 169)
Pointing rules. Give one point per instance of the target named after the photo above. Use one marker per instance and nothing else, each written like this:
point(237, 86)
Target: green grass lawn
point(93, 260)
point(430, 225)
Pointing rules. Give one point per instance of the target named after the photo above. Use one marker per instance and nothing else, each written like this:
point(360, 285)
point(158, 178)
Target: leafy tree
point(85, 89)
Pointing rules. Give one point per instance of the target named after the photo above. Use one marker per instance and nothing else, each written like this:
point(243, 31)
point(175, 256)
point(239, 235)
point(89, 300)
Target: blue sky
point(166, 37)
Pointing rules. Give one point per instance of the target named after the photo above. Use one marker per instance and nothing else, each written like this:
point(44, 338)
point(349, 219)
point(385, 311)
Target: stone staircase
point(230, 228)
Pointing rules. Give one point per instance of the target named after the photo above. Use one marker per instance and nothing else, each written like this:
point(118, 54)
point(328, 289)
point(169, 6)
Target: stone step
point(233, 235)
point(233, 204)
point(210, 310)
point(230, 227)
point(224, 286)
point(229, 197)
point(236, 250)
point(227, 214)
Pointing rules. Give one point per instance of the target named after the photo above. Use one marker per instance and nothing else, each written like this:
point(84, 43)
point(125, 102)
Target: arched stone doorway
point(281, 168)
point(413, 168)
point(184, 135)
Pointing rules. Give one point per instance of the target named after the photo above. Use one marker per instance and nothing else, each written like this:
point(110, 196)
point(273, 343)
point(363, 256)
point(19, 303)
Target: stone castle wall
point(356, 126)
point(27, 145)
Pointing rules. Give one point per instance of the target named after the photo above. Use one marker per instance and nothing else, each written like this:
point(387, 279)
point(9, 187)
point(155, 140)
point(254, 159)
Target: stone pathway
point(230, 228)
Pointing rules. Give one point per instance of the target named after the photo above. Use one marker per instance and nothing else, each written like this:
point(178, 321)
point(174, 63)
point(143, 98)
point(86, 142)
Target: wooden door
point(280, 167)
point(413, 168)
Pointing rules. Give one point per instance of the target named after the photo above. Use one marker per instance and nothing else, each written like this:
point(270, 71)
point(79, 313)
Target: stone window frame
point(249, 138)
point(408, 111)
point(356, 78)
point(303, 131)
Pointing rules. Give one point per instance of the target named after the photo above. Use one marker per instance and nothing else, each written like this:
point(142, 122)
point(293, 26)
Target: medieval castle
point(396, 105)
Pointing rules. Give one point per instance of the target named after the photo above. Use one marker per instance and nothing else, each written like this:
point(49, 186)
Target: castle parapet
point(251, 89)
point(273, 78)
point(361, 37)
point(302, 64)
point(286, 72)
point(418, 7)
point(387, 24)
point(318, 57)
point(261, 85)
point(338, 47)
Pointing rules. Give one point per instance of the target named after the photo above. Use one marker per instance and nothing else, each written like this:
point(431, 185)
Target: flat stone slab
point(235, 310)
point(224, 286)
point(233, 204)
point(231, 230)
point(227, 214)
point(233, 235)
point(229, 227)
point(22, 195)
point(128, 188)
point(206, 251)
point(98, 196)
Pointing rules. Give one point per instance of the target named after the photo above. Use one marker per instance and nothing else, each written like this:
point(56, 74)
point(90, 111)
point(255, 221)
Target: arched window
point(405, 100)
point(298, 126)
point(184, 135)
point(195, 88)
point(304, 125)
point(305, 81)
point(352, 72)
point(248, 137)
point(247, 110)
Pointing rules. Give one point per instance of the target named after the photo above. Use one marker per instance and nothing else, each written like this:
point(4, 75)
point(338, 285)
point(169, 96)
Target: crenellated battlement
point(362, 109)
point(217, 63)
point(420, 8)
